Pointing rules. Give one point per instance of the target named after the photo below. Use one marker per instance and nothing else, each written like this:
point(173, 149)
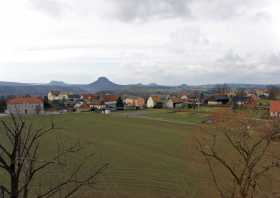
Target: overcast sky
point(131, 41)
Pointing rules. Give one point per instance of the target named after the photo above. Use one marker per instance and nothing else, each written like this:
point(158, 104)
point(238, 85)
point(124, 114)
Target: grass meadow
point(148, 158)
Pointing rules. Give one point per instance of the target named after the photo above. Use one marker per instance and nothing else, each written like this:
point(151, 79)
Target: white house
point(169, 104)
point(57, 95)
point(25, 105)
point(184, 97)
point(152, 101)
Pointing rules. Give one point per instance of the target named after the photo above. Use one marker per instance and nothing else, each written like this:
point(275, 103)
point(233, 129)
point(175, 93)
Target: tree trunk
point(14, 182)
point(1, 192)
point(14, 188)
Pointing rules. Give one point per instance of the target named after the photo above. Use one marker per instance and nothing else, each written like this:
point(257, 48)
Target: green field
point(183, 116)
point(148, 158)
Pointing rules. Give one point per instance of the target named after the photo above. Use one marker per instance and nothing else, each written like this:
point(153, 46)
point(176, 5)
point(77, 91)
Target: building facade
point(134, 102)
point(152, 101)
point(57, 95)
point(25, 105)
point(274, 109)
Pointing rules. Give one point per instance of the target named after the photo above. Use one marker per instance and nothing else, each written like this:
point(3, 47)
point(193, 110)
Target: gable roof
point(275, 106)
point(110, 98)
point(240, 99)
point(89, 96)
point(25, 100)
point(84, 106)
point(134, 98)
point(156, 98)
point(57, 93)
point(74, 96)
point(176, 100)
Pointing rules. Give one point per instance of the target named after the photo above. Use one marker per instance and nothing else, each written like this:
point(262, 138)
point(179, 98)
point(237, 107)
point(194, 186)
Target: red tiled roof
point(177, 100)
point(89, 96)
point(110, 98)
point(275, 106)
point(156, 98)
point(84, 106)
point(25, 100)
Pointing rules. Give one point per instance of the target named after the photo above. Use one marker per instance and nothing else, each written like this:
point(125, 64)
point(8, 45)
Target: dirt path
point(143, 115)
point(169, 121)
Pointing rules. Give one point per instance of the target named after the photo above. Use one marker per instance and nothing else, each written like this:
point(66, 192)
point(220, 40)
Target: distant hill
point(104, 84)
point(12, 84)
point(58, 83)
point(36, 90)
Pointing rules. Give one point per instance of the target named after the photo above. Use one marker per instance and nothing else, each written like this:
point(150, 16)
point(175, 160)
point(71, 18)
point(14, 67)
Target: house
point(109, 98)
point(239, 100)
point(262, 93)
point(89, 97)
point(110, 101)
point(98, 105)
point(184, 97)
point(83, 108)
point(152, 101)
point(74, 97)
point(242, 101)
point(179, 103)
point(212, 102)
point(174, 102)
point(169, 104)
point(57, 95)
point(218, 100)
point(134, 102)
point(222, 99)
point(274, 109)
point(25, 105)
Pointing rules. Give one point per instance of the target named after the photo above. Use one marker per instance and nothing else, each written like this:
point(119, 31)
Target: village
point(140, 98)
point(57, 102)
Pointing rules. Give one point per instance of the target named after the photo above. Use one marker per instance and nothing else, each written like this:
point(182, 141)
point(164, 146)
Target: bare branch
point(23, 165)
point(5, 189)
point(212, 172)
point(71, 180)
point(253, 153)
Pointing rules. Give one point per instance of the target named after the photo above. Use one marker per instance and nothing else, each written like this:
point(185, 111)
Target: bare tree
point(20, 159)
point(274, 92)
point(222, 89)
point(241, 92)
point(254, 161)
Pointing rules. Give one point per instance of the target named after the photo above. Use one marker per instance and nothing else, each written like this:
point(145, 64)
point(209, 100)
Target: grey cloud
point(262, 16)
point(222, 9)
point(192, 35)
point(273, 59)
point(248, 68)
point(142, 10)
point(50, 7)
point(231, 57)
point(145, 10)
point(94, 46)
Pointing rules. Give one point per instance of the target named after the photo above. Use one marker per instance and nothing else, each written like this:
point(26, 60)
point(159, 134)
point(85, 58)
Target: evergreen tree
point(3, 105)
point(120, 104)
point(46, 103)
